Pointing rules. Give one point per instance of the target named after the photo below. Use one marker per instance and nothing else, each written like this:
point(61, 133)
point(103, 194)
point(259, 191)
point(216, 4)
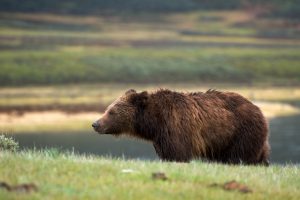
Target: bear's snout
point(96, 125)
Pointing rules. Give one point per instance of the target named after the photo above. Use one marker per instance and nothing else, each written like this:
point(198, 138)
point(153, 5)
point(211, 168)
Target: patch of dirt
point(159, 176)
point(21, 188)
point(233, 186)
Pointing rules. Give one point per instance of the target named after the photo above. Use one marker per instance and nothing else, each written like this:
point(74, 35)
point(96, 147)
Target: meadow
point(65, 175)
point(198, 46)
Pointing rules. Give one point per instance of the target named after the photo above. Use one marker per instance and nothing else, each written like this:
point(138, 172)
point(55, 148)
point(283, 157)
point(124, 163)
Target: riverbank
point(73, 108)
point(95, 97)
point(57, 175)
point(58, 121)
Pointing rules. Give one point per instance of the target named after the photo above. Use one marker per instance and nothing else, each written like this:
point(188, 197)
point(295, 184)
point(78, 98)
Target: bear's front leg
point(170, 153)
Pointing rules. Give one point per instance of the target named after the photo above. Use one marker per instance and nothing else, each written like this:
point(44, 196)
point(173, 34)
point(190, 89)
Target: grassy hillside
point(133, 65)
point(166, 48)
point(68, 176)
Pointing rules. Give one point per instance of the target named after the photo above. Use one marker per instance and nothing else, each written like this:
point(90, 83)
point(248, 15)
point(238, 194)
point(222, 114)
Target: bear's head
point(120, 116)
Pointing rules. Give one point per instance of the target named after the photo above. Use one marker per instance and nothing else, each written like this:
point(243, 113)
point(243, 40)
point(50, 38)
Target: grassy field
point(199, 46)
point(68, 176)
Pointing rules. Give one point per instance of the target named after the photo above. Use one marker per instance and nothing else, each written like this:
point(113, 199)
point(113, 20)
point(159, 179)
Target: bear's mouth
point(107, 132)
point(101, 131)
point(96, 129)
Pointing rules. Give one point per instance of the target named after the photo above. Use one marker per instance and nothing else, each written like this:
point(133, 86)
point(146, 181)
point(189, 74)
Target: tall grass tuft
point(8, 144)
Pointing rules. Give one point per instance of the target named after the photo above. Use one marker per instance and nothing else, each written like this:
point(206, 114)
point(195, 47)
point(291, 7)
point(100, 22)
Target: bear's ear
point(140, 100)
point(130, 91)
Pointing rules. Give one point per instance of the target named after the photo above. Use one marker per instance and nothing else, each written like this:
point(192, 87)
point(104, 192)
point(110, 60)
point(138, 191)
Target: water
point(90, 143)
point(284, 140)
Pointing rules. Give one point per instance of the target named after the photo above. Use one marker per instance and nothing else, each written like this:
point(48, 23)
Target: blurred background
point(63, 61)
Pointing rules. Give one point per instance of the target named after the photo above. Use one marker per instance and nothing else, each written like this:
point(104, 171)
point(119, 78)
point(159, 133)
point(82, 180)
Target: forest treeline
point(273, 8)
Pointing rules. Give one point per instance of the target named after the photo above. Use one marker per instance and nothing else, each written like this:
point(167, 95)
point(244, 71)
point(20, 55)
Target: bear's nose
point(95, 125)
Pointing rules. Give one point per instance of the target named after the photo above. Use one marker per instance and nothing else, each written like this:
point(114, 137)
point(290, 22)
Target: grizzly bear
point(214, 126)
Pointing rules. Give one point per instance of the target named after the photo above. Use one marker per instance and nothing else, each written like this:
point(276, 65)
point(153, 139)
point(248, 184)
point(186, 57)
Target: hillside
point(199, 46)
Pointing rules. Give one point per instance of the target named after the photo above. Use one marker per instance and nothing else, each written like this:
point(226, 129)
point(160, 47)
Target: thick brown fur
point(216, 126)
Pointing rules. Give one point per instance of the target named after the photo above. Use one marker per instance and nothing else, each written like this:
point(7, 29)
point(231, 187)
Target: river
point(284, 140)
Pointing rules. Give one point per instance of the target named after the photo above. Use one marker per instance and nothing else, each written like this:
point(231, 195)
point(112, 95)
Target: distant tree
point(282, 8)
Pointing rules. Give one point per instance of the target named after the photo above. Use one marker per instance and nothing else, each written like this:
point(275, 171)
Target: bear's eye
point(111, 112)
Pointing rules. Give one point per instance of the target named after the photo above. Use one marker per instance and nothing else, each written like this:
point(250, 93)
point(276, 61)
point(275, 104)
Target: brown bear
point(215, 126)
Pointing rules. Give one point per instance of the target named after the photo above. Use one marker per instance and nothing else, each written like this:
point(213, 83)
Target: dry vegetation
point(73, 108)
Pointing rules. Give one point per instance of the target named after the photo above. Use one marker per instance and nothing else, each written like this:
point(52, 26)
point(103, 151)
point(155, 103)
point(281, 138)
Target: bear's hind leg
point(242, 153)
point(264, 157)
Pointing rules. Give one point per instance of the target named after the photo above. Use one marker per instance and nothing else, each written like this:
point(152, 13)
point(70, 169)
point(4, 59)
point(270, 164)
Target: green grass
point(69, 176)
point(42, 49)
point(8, 144)
point(131, 65)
